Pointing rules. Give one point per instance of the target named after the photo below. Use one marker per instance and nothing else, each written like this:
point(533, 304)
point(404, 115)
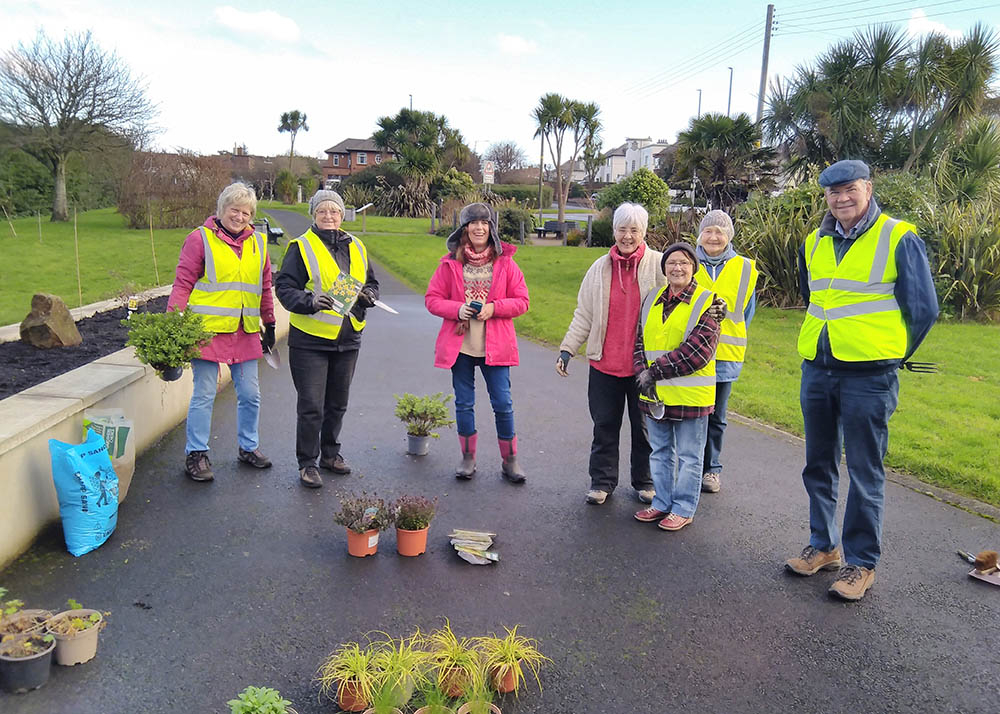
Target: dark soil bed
point(23, 366)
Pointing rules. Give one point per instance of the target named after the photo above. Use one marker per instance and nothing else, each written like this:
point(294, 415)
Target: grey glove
point(646, 381)
point(562, 363)
point(366, 298)
point(717, 310)
point(322, 302)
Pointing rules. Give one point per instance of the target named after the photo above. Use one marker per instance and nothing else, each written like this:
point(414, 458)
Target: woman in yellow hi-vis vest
point(732, 278)
point(322, 270)
point(224, 275)
point(674, 361)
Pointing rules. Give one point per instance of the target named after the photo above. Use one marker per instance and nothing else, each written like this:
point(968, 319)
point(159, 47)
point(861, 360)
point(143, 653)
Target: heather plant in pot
point(508, 659)
point(349, 677)
point(422, 415)
point(167, 341)
point(413, 516)
point(76, 632)
point(364, 517)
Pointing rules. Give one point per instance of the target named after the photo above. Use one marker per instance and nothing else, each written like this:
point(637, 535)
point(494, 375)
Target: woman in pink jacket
point(478, 290)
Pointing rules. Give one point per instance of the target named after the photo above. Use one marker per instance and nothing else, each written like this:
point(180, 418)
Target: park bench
point(273, 234)
point(560, 229)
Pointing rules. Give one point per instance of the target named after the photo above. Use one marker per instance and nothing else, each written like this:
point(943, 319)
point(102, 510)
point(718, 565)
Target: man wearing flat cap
point(870, 301)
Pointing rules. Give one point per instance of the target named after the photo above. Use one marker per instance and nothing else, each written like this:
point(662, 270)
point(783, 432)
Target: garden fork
point(921, 367)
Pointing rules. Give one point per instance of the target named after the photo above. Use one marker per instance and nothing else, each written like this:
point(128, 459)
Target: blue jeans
point(199, 418)
point(717, 428)
point(850, 414)
point(463, 379)
point(675, 463)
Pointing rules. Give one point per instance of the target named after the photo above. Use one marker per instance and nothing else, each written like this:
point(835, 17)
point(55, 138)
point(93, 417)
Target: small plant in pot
point(454, 660)
point(260, 700)
point(507, 660)
point(402, 665)
point(16, 621)
point(479, 694)
point(349, 677)
point(76, 633)
point(422, 415)
point(434, 700)
point(167, 341)
point(25, 661)
point(364, 517)
point(413, 519)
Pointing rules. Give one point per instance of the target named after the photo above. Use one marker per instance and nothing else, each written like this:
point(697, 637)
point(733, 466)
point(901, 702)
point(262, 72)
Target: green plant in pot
point(422, 415)
point(16, 621)
point(260, 700)
point(479, 694)
point(364, 517)
point(454, 659)
point(349, 677)
point(76, 631)
point(167, 340)
point(413, 518)
point(25, 661)
point(433, 699)
point(507, 659)
point(402, 666)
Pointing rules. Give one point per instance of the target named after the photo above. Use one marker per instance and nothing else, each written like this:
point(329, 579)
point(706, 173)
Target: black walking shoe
point(198, 467)
point(254, 458)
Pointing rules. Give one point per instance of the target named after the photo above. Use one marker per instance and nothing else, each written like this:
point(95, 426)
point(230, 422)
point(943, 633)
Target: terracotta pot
point(506, 683)
point(349, 699)
point(454, 681)
point(77, 647)
point(418, 445)
point(394, 710)
point(361, 544)
point(435, 710)
point(23, 622)
point(411, 543)
point(22, 674)
point(467, 707)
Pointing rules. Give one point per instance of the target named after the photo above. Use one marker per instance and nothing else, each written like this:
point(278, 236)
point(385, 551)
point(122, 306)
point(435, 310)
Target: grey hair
point(631, 214)
point(236, 194)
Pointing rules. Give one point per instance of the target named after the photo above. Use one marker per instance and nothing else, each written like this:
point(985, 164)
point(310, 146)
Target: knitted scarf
point(478, 259)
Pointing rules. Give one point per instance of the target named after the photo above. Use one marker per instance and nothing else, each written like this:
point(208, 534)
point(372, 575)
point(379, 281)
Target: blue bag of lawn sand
point(88, 492)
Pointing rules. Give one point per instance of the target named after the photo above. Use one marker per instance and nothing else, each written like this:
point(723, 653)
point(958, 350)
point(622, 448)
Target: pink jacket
point(508, 293)
point(231, 347)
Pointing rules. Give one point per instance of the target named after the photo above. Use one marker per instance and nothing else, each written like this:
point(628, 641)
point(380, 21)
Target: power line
point(880, 21)
point(840, 11)
point(797, 23)
point(713, 61)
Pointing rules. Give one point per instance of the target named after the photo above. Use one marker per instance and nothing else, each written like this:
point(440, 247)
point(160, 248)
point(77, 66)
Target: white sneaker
point(596, 496)
point(710, 483)
point(645, 495)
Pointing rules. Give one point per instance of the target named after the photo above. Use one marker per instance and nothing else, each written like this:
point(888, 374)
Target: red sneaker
point(673, 522)
point(648, 515)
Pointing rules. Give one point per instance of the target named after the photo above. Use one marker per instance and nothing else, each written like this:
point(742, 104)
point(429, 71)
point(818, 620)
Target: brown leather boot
point(467, 468)
point(511, 470)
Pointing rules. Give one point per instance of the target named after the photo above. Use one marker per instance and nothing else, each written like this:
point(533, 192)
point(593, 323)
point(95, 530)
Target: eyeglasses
point(327, 212)
point(679, 264)
point(635, 232)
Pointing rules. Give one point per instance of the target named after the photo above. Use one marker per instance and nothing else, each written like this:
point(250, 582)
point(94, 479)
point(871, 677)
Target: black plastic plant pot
point(169, 374)
point(21, 675)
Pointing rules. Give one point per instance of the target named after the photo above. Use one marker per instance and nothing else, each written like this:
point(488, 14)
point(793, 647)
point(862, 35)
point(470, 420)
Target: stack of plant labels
point(474, 546)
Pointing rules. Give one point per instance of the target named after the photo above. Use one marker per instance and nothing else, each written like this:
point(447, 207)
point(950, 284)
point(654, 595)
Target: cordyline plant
point(167, 339)
point(363, 513)
point(414, 513)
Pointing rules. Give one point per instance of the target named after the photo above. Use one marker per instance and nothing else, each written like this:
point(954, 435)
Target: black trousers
point(323, 382)
point(608, 397)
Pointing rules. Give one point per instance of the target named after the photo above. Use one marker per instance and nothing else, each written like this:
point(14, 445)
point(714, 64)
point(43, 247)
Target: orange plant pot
point(504, 684)
point(361, 544)
point(349, 699)
point(411, 543)
point(454, 681)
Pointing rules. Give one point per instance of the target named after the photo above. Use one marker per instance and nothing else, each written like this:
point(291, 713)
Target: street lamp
point(411, 102)
point(729, 102)
point(699, 104)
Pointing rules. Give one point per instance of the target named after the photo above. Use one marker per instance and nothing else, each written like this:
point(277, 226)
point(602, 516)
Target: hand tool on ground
point(920, 367)
point(379, 303)
point(969, 557)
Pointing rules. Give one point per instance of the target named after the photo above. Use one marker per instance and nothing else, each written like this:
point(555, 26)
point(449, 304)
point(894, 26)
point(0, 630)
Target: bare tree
point(69, 96)
point(507, 156)
point(293, 122)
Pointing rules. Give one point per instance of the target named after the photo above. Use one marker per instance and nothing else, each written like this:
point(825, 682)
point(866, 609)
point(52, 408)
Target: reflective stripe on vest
point(323, 271)
point(231, 288)
point(659, 338)
point(735, 284)
point(854, 299)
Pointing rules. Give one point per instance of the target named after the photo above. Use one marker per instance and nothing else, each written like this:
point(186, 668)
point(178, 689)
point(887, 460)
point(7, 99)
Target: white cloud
point(516, 45)
point(920, 24)
point(266, 23)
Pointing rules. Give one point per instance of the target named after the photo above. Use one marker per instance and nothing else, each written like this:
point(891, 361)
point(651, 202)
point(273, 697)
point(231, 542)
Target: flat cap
point(844, 172)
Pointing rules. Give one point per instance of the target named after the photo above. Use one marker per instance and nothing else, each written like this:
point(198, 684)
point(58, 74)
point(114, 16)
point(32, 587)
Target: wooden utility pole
point(763, 62)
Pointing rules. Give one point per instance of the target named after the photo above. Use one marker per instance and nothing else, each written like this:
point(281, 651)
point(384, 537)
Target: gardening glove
point(267, 339)
point(646, 381)
point(466, 312)
point(717, 310)
point(322, 302)
point(562, 363)
point(366, 298)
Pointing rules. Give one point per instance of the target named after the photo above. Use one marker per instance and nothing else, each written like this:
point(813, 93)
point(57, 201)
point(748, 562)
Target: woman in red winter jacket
point(478, 290)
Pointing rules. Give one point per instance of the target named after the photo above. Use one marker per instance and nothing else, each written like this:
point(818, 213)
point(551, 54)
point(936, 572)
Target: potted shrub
point(25, 661)
point(76, 632)
point(422, 415)
point(15, 621)
point(167, 340)
point(401, 665)
point(413, 518)
point(454, 660)
point(260, 700)
point(479, 695)
point(506, 659)
point(363, 516)
point(349, 677)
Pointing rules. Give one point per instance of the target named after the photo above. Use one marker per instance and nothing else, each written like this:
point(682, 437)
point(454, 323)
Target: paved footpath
point(247, 580)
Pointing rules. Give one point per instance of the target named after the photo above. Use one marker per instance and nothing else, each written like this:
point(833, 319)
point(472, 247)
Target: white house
point(641, 153)
point(614, 165)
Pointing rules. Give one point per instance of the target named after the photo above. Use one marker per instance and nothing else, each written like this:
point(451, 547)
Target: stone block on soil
point(49, 323)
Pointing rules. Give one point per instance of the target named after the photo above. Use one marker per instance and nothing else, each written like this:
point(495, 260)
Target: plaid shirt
point(690, 356)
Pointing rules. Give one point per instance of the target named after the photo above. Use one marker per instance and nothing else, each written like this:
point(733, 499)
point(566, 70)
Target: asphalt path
point(246, 580)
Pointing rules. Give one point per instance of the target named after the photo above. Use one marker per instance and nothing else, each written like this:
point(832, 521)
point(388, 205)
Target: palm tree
point(726, 155)
point(292, 122)
point(552, 116)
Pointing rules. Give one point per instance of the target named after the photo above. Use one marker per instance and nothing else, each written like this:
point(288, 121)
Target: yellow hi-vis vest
point(659, 337)
point(323, 271)
point(232, 286)
point(855, 299)
point(735, 284)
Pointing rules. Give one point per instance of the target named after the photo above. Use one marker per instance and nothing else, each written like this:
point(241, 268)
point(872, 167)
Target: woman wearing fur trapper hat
point(478, 290)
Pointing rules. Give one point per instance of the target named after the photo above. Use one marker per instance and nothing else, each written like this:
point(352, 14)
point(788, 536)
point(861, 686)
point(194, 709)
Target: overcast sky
point(222, 75)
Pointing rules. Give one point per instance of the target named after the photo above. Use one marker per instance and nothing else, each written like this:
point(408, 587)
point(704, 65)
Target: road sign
point(489, 168)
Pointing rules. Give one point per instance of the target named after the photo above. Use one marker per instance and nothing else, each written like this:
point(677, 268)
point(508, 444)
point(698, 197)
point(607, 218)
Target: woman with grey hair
point(224, 274)
point(606, 317)
point(325, 330)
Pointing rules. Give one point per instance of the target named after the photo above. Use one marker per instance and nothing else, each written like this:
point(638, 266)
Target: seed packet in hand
point(344, 292)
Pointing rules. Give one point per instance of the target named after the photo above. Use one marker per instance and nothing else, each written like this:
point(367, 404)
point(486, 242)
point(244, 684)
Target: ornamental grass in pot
point(402, 665)
point(364, 517)
point(433, 699)
point(479, 694)
point(454, 659)
point(508, 659)
point(422, 415)
point(76, 632)
point(413, 516)
point(349, 677)
point(167, 341)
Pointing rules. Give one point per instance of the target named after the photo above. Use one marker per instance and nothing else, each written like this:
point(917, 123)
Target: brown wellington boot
point(511, 470)
point(467, 467)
